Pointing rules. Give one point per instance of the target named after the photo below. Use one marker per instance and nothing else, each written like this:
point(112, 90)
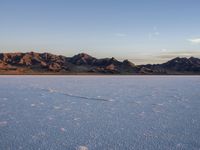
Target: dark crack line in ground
point(77, 96)
point(86, 98)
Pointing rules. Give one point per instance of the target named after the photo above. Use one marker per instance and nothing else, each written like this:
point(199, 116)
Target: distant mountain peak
point(83, 55)
point(127, 62)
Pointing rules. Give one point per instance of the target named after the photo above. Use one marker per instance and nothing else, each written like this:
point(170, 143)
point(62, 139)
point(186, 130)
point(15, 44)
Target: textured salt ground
point(99, 112)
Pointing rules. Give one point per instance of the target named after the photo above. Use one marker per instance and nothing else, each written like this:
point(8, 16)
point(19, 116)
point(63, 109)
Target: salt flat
point(100, 112)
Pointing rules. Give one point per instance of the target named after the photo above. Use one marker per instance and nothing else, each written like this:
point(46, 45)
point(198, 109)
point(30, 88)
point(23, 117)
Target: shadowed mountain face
point(46, 63)
point(183, 64)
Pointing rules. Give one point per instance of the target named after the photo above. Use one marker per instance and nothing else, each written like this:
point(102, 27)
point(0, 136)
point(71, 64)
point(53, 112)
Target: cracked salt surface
point(97, 113)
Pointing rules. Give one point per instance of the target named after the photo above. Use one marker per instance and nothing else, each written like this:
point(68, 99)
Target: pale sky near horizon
point(143, 31)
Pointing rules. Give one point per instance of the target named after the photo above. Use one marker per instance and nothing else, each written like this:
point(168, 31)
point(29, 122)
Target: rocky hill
point(46, 63)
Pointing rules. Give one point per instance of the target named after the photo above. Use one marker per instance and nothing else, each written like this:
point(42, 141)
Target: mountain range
point(46, 63)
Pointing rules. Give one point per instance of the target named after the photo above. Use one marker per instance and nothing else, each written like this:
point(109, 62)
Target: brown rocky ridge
point(46, 63)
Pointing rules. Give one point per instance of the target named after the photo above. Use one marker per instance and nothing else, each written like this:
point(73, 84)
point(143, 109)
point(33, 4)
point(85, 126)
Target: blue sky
point(143, 31)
